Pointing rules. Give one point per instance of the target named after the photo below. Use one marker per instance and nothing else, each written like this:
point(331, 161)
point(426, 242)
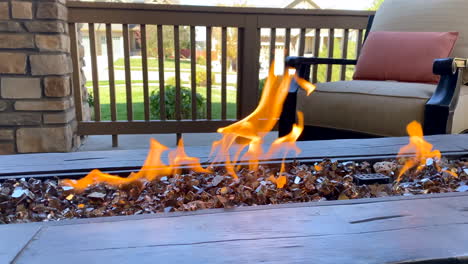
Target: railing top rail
point(74, 5)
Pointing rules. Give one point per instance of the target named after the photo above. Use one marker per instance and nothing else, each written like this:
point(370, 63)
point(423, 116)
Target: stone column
point(36, 107)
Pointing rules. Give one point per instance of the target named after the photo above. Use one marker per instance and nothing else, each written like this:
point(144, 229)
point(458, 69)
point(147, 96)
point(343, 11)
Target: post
point(37, 112)
point(248, 66)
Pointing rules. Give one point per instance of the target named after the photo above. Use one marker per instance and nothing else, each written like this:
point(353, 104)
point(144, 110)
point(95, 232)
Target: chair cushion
point(426, 16)
point(403, 56)
point(380, 108)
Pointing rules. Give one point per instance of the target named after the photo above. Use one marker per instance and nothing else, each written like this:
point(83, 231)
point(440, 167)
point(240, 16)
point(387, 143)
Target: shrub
point(201, 60)
point(90, 99)
point(171, 81)
point(185, 103)
point(201, 77)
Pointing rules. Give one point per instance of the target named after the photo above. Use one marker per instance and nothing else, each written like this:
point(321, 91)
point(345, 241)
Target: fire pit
point(395, 229)
point(306, 202)
point(29, 198)
point(240, 173)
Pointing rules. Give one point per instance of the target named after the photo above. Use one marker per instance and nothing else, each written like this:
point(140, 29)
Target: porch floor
point(131, 142)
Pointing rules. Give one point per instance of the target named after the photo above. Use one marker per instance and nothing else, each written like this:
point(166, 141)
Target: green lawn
point(137, 97)
point(153, 63)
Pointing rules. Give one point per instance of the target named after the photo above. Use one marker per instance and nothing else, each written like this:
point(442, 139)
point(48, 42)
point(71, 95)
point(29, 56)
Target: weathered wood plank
point(391, 232)
point(14, 239)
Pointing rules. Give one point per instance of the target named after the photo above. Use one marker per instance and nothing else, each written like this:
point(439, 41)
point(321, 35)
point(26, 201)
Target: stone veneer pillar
point(36, 107)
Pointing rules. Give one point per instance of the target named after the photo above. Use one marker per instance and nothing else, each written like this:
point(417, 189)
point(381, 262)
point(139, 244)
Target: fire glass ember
point(35, 200)
point(160, 187)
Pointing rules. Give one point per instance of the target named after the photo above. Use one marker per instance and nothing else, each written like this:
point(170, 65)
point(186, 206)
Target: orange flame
point(422, 150)
point(152, 169)
point(261, 121)
point(241, 141)
point(284, 145)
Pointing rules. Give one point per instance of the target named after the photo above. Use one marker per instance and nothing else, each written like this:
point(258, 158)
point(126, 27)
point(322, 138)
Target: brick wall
point(36, 107)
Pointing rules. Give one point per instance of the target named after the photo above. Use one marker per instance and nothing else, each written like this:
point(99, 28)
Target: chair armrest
point(438, 113)
point(302, 66)
point(297, 62)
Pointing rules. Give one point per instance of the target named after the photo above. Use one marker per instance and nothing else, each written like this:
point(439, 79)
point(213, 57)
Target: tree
point(376, 4)
point(231, 45)
point(168, 40)
point(231, 38)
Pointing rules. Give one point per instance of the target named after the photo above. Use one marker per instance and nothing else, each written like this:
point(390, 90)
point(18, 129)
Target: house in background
point(117, 38)
point(295, 36)
point(135, 45)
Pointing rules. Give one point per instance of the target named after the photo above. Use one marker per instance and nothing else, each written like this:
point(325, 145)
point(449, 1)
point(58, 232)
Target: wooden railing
point(322, 29)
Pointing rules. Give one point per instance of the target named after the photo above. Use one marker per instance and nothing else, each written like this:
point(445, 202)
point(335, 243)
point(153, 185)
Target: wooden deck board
point(134, 158)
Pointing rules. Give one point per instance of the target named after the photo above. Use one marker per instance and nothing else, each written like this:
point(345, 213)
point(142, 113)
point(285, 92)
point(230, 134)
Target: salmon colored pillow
point(403, 56)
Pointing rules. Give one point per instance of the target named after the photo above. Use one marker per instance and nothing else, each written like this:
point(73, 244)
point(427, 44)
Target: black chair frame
point(438, 113)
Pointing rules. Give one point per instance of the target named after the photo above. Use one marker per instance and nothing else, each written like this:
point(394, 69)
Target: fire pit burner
point(373, 178)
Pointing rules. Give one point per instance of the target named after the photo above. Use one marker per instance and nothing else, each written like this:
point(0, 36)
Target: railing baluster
point(94, 66)
point(359, 42)
point(208, 73)
point(248, 25)
point(344, 53)
point(272, 44)
point(177, 72)
point(316, 53)
point(162, 98)
point(193, 64)
point(223, 72)
point(240, 39)
point(128, 73)
point(110, 66)
point(144, 64)
point(302, 42)
point(287, 42)
point(331, 47)
point(76, 74)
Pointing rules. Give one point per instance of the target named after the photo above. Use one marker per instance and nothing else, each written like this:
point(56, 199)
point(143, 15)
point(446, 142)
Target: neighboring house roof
point(302, 4)
point(309, 4)
point(163, 2)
